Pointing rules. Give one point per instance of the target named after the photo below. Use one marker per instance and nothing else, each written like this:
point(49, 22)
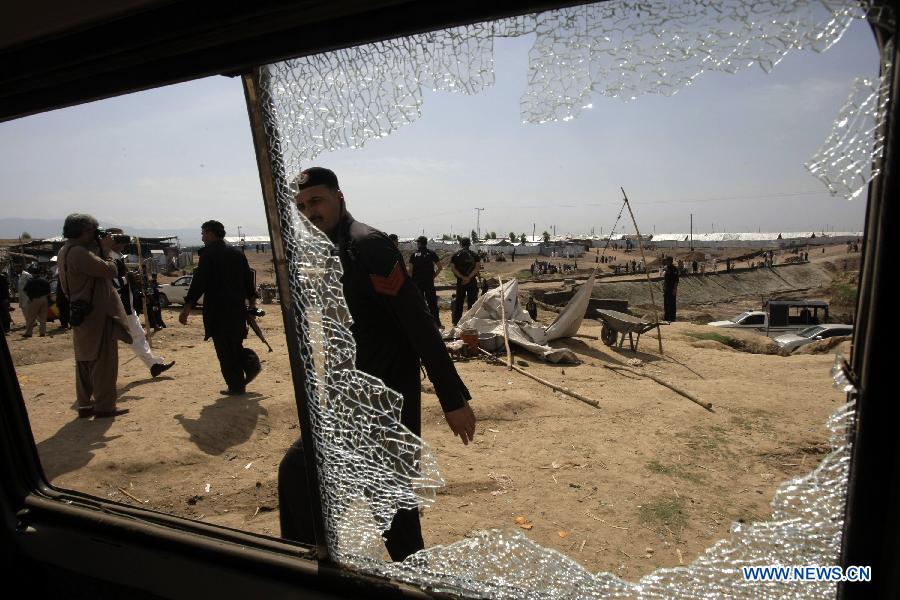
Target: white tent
point(485, 317)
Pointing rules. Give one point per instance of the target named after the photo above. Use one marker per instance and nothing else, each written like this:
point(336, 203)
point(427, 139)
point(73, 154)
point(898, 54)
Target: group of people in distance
point(102, 312)
point(383, 298)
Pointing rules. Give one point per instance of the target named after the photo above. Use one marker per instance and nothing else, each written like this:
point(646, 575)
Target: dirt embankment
point(722, 287)
point(807, 279)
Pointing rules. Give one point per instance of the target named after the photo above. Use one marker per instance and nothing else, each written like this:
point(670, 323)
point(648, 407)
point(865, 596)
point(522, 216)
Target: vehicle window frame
point(817, 329)
point(42, 499)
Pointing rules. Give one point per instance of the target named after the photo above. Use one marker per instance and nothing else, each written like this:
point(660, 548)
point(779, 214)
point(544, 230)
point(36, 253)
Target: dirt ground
point(647, 480)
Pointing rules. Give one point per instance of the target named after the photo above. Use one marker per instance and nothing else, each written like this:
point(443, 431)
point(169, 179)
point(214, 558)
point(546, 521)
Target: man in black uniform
point(670, 287)
point(383, 301)
point(224, 279)
point(423, 273)
point(466, 266)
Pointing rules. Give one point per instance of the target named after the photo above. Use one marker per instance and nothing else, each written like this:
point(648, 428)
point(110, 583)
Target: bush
point(717, 337)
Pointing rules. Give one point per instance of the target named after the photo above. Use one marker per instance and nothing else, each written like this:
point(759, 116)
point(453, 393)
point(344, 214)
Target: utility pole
point(478, 222)
point(692, 232)
point(533, 230)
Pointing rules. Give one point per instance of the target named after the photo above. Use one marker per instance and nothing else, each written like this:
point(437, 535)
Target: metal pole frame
point(646, 272)
point(271, 169)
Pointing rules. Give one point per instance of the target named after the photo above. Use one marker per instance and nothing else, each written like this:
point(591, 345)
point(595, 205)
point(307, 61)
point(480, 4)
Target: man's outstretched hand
point(462, 423)
point(185, 312)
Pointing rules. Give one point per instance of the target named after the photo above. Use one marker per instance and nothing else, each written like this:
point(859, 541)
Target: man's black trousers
point(405, 534)
point(235, 361)
point(469, 292)
point(669, 306)
point(430, 295)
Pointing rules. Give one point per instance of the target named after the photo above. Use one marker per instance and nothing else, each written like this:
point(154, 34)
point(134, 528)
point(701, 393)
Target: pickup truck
point(174, 293)
point(754, 319)
point(780, 316)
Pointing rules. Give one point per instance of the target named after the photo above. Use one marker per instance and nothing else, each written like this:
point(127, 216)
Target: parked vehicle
point(174, 293)
point(754, 319)
point(793, 315)
point(780, 316)
point(792, 341)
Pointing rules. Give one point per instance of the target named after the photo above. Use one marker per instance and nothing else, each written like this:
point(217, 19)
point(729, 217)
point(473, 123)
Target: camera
point(119, 238)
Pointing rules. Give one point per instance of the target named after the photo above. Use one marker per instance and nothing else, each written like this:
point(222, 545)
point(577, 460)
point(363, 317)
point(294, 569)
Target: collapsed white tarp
point(485, 317)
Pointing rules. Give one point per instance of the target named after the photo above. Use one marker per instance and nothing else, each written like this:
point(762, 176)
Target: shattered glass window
point(848, 160)
point(370, 465)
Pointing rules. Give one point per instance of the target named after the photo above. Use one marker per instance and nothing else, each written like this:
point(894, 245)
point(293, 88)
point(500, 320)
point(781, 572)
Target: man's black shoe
point(159, 368)
point(231, 392)
point(84, 413)
point(113, 413)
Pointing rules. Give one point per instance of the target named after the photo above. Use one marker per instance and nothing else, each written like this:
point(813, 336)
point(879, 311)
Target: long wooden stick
point(646, 270)
point(509, 364)
point(144, 285)
point(133, 497)
point(546, 306)
point(559, 389)
point(679, 391)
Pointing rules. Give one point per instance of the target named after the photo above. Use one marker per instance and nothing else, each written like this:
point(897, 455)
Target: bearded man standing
point(394, 333)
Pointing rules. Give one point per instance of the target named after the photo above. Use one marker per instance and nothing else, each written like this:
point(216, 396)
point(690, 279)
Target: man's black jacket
point(37, 287)
point(391, 323)
point(224, 279)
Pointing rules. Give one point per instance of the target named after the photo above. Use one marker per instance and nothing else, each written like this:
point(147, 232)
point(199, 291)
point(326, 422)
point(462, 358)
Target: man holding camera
point(224, 280)
point(95, 313)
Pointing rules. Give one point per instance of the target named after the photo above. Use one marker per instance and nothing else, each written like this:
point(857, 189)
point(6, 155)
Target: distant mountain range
point(12, 228)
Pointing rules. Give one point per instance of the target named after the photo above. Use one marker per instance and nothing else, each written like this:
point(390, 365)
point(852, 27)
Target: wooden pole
point(679, 391)
point(646, 271)
point(559, 389)
point(137, 242)
point(509, 364)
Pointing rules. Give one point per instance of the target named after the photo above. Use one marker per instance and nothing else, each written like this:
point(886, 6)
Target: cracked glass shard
point(839, 375)
point(370, 466)
point(805, 528)
point(848, 159)
point(619, 49)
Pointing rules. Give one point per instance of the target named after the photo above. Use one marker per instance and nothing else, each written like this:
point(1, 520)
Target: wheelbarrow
point(615, 323)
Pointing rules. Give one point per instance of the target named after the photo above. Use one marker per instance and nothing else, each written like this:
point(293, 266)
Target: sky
point(729, 150)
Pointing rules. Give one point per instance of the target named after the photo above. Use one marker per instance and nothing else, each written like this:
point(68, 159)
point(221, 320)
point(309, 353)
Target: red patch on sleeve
point(390, 285)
